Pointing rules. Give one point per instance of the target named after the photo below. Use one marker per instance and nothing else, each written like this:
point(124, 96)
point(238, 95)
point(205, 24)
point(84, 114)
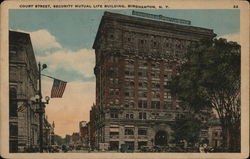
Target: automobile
point(145, 149)
point(79, 147)
point(64, 148)
point(55, 148)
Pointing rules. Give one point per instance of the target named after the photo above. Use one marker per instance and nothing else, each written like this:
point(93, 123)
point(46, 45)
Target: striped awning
point(129, 126)
point(114, 129)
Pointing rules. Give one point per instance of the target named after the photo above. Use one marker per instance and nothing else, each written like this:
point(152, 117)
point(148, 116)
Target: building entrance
point(161, 138)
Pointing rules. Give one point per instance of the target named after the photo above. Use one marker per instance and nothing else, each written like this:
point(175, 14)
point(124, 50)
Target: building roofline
point(149, 22)
point(27, 37)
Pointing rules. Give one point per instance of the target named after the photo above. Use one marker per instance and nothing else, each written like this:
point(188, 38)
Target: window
point(129, 104)
point(155, 94)
point(142, 131)
point(155, 75)
point(167, 94)
point(13, 102)
point(215, 133)
point(116, 101)
point(129, 131)
point(143, 64)
point(113, 115)
point(13, 130)
point(116, 91)
point(155, 104)
point(111, 92)
point(129, 116)
point(143, 84)
point(142, 94)
point(142, 73)
point(113, 81)
point(114, 133)
point(129, 73)
point(129, 62)
point(131, 83)
point(167, 104)
point(142, 115)
point(155, 85)
point(114, 130)
point(168, 76)
point(142, 104)
point(168, 67)
point(167, 84)
point(141, 144)
point(129, 94)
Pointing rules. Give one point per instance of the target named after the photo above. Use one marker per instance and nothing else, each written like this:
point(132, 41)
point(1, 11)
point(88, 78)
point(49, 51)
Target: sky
point(63, 40)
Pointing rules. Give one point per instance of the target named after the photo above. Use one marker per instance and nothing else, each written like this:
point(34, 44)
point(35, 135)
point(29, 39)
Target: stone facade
point(215, 134)
point(23, 76)
point(92, 126)
point(136, 60)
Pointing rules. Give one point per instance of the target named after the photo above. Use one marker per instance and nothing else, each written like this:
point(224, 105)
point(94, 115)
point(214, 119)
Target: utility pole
point(41, 110)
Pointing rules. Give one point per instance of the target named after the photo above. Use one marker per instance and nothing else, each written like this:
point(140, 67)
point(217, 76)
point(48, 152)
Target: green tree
point(188, 129)
point(58, 139)
point(210, 78)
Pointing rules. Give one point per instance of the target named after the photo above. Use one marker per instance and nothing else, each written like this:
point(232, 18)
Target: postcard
point(124, 79)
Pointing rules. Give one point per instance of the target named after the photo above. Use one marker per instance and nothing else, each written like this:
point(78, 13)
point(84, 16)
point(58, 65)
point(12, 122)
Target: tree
point(58, 139)
point(186, 128)
point(210, 78)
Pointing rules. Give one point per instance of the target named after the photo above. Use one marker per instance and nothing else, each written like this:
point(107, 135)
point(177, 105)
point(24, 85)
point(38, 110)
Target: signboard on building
point(161, 17)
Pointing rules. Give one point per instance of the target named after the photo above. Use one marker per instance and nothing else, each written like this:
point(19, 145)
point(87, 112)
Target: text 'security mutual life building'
point(136, 59)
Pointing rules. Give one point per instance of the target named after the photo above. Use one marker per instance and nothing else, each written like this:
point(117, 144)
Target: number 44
point(236, 6)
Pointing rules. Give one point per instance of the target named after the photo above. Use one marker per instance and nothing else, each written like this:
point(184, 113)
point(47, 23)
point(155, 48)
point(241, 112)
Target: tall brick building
point(136, 59)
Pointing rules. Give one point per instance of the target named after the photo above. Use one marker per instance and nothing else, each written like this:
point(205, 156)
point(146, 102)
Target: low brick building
point(23, 76)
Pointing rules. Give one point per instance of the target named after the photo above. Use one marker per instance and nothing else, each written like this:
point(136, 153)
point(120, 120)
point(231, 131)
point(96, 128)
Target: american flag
point(21, 107)
point(58, 88)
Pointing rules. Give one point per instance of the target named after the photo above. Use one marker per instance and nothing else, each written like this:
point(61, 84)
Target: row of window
point(142, 115)
point(154, 94)
point(143, 104)
point(130, 131)
point(143, 74)
point(130, 63)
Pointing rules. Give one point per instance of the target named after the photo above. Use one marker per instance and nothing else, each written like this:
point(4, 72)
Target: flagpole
point(52, 77)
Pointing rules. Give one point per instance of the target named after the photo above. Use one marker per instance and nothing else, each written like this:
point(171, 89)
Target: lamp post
point(41, 104)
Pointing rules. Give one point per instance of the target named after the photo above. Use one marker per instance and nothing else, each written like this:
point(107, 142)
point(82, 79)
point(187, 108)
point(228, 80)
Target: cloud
point(42, 41)
point(74, 107)
point(81, 61)
point(231, 37)
point(66, 64)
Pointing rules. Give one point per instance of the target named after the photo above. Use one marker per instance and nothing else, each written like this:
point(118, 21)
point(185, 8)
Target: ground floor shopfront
point(133, 137)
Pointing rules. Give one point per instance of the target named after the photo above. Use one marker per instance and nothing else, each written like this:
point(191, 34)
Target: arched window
point(13, 103)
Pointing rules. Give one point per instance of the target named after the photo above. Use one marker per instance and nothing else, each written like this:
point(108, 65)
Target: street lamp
point(40, 110)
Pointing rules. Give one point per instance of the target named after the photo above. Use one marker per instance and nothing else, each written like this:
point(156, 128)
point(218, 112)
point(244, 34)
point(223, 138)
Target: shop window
point(142, 131)
point(142, 115)
point(113, 115)
point(129, 131)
